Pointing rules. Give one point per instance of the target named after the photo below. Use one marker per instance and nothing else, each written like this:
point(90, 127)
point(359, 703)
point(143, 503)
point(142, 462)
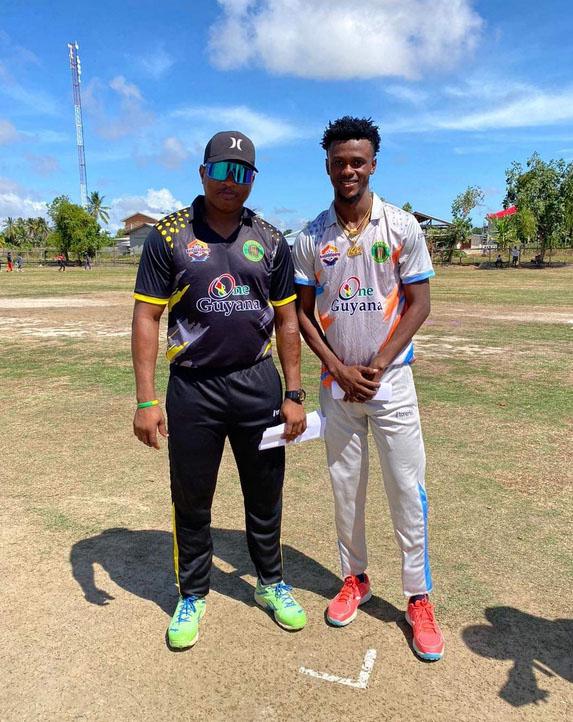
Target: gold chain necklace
point(353, 233)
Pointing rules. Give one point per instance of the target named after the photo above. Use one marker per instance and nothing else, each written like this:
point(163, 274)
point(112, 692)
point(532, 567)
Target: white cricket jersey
point(360, 299)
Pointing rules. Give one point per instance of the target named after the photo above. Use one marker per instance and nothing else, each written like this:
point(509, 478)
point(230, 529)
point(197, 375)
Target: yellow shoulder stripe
point(150, 299)
point(284, 301)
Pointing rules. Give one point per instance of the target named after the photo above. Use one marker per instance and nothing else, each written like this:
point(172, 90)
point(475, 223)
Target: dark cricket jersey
point(220, 293)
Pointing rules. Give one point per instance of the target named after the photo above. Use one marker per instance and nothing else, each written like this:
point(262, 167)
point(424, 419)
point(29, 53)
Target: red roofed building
point(503, 213)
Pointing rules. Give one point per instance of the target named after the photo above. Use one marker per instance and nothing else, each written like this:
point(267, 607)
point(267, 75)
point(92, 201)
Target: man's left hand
point(294, 416)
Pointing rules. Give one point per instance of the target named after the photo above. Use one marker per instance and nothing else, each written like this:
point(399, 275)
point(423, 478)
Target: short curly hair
point(350, 128)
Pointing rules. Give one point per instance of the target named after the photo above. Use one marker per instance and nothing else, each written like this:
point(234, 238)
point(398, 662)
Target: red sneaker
point(343, 608)
point(428, 640)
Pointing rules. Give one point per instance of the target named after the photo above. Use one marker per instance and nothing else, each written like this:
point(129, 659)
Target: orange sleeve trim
point(284, 301)
point(150, 299)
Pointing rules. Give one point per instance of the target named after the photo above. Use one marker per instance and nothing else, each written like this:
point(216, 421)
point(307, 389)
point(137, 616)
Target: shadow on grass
point(141, 562)
point(532, 643)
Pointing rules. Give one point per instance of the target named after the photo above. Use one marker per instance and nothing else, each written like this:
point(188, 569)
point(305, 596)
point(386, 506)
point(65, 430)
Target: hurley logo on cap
point(230, 145)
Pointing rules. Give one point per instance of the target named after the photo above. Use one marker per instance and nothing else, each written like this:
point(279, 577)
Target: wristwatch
point(298, 396)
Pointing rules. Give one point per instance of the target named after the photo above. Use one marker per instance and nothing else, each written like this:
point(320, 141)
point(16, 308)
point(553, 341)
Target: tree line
point(72, 230)
point(542, 192)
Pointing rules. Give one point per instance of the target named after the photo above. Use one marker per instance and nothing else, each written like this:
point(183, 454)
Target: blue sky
point(459, 89)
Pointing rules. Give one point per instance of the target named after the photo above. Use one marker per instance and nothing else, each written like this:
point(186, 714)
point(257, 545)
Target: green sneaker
point(278, 599)
point(183, 631)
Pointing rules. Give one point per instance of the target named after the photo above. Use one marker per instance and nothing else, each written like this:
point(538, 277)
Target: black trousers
point(204, 407)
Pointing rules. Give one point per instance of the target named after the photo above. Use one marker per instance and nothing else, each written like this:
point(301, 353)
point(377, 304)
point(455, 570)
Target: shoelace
point(283, 594)
point(426, 618)
point(349, 589)
point(187, 609)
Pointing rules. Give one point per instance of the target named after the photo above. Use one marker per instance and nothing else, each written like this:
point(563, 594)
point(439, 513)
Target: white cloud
point(333, 39)
point(414, 96)
point(535, 108)
point(7, 185)
point(174, 153)
point(155, 63)
point(513, 106)
point(155, 202)
point(113, 119)
point(125, 89)
point(17, 53)
point(262, 129)
point(17, 201)
point(33, 100)
point(8, 132)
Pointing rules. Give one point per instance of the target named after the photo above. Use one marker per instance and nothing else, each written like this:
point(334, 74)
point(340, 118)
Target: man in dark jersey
point(227, 278)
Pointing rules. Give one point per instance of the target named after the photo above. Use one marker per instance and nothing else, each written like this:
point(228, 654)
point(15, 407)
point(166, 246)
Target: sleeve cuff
point(304, 281)
point(151, 299)
point(418, 277)
point(284, 301)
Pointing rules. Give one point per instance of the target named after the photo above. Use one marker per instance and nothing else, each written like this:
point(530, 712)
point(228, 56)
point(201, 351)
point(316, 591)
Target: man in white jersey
point(364, 265)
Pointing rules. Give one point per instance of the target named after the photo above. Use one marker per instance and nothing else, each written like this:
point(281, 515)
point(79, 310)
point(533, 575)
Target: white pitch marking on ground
point(363, 677)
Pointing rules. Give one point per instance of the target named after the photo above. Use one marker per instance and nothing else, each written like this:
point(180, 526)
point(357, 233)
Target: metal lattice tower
point(76, 67)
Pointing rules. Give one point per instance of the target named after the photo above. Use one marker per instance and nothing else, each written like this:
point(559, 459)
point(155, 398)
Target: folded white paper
point(384, 393)
point(314, 430)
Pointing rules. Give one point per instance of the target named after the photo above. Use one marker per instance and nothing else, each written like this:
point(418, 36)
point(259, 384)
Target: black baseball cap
point(230, 145)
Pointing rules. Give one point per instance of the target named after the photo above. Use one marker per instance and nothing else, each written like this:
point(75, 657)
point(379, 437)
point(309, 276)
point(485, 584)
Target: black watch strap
point(298, 396)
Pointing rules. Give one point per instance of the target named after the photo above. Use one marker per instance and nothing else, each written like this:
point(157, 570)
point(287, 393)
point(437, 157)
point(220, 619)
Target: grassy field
point(85, 524)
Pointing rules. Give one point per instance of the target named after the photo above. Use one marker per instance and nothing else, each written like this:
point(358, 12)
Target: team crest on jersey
point(329, 254)
point(198, 251)
point(253, 251)
point(380, 252)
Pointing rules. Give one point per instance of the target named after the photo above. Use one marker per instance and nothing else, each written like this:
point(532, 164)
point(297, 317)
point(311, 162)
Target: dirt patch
point(435, 346)
point(37, 328)
point(52, 302)
point(502, 314)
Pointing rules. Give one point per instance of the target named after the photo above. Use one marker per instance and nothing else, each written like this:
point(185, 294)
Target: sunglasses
point(220, 170)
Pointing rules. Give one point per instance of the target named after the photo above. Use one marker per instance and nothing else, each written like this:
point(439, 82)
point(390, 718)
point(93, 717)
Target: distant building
point(427, 221)
point(137, 226)
point(138, 219)
point(438, 230)
point(291, 238)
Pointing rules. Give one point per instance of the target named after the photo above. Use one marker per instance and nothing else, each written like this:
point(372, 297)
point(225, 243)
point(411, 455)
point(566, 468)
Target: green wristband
point(147, 404)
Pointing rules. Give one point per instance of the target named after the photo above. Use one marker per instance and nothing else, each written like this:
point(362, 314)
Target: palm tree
point(38, 230)
point(9, 229)
point(505, 228)
point(96, 207)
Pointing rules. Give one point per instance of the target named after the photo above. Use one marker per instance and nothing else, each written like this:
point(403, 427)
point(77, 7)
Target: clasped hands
point(360, 383)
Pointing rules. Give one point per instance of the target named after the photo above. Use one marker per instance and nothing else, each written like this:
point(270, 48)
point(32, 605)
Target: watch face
point(298, 396)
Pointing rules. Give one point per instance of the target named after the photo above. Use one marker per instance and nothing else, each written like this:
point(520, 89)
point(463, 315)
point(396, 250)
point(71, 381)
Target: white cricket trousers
point(395, 426)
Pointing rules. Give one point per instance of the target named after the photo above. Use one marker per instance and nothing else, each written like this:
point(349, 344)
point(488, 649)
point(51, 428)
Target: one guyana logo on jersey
point(380, 252)
point(253, 251)
point(353, 298)
point(222, 297)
